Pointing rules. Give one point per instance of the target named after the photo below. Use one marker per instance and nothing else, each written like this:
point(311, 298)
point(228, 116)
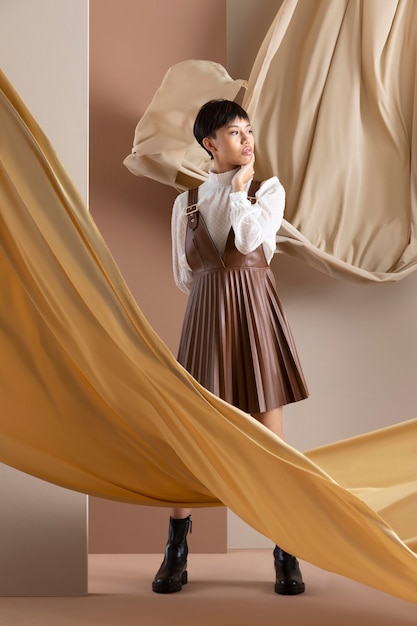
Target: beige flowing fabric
point(333, 103)
point(91, 399)
point(164, 146)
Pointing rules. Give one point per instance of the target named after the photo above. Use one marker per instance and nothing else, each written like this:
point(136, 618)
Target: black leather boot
point(172, 574)
point(289, 580)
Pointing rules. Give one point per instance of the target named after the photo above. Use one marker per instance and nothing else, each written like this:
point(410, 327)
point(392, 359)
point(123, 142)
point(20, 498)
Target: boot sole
point(289, 590)
point(165, 586)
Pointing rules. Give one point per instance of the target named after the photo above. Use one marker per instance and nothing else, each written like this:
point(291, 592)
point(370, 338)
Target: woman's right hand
point(243, 175)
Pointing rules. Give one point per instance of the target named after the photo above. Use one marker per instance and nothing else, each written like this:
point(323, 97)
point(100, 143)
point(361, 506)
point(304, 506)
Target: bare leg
point(272, 420)
point(180, 513)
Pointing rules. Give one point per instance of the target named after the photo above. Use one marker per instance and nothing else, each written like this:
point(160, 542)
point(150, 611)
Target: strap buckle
point(192, 208)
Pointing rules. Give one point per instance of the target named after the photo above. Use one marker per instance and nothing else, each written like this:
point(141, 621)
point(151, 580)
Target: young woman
point(235, 339)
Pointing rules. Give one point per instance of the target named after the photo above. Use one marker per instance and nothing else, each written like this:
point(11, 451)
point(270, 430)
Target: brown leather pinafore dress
point(235, 338)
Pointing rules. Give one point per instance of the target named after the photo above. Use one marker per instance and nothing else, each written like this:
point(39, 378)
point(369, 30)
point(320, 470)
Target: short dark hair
point(214, 115)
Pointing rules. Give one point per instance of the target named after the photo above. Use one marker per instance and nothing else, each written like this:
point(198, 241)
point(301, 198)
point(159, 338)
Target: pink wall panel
point(132, 44)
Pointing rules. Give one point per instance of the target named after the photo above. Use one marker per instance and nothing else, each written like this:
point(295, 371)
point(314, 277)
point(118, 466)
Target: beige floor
point(233, 589)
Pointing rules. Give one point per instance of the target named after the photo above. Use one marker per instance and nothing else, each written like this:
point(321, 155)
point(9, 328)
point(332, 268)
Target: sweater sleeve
point(182, 272)
point(258, 223)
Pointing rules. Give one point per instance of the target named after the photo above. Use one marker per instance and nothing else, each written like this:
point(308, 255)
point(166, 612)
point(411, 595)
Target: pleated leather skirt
point(235, 338)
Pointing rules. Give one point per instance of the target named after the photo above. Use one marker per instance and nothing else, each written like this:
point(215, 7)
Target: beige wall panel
point(44, 53)
point(248, 22)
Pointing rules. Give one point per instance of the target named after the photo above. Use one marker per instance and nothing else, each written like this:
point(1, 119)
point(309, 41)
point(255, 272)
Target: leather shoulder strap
point(192, 208)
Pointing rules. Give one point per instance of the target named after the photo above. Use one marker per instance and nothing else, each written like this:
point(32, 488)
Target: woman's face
point(232, 146)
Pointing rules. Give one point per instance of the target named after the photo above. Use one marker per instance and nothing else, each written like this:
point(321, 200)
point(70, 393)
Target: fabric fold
point(93, 400)
point(164, 148)
point(332, 100)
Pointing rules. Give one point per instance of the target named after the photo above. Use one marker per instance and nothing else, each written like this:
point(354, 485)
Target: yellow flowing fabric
point(91, 399)
point(333, 103)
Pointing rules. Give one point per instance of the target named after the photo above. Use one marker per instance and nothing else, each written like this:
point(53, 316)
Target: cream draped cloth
point(333, 104)
point(92, 400)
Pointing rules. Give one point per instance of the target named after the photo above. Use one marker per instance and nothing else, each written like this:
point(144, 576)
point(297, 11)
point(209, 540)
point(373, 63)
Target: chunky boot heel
point(172, 574)
point(289, 581)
